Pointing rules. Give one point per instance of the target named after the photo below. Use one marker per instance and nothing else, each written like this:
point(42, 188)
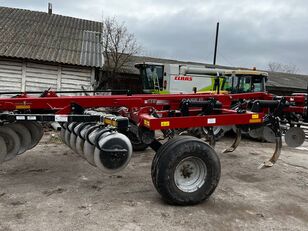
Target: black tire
point(167, 166)
point(137, 144)
point(158, 155)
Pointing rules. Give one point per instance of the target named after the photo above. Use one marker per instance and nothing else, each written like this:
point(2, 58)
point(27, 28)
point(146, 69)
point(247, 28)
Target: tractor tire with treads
point(158, 155)
point(186, 171)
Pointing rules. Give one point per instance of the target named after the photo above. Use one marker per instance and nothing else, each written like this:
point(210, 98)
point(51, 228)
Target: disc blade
point(88, 150)
point(12, 141)
point(3, 150)
point(36, 131)
point(219, 132)
point(108, 158)
point(67, 135)
point(40, 129)
point(73, 138)
point(79, 146)
point(295, 137)
point(62, 134)
point(24, 135)
point(269, 135)
point(256, 133)
point(62, 131)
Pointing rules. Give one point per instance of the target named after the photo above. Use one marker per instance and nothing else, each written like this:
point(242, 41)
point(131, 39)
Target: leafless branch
point(118, 44)
point(285, 68)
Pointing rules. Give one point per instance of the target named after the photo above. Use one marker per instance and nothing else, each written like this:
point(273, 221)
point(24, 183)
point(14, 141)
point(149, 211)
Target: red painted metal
point(140, 108)
point(57, 103)
point(226, 119)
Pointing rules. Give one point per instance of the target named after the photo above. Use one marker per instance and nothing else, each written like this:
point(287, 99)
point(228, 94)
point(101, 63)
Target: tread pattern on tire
point(158, 154)
point(165, 161)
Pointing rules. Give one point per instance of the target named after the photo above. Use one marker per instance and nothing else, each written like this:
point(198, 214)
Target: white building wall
point(10, 75)
point(21, 76)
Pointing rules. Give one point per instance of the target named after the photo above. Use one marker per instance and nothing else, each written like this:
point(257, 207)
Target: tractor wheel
point(186, 171)
point(158, 155)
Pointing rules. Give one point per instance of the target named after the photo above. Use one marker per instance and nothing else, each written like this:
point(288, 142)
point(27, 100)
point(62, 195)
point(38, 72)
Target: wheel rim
point(190, 174)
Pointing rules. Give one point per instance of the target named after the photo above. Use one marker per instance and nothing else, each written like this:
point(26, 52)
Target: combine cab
point(159, 78)
point(174, 78)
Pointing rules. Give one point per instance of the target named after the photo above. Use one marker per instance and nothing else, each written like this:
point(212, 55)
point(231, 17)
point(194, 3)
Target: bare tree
point(274, 67)
point(285, 68)
point(118, 45)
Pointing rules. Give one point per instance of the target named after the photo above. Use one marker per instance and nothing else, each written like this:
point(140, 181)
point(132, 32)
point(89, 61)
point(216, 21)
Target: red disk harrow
point(106, 129)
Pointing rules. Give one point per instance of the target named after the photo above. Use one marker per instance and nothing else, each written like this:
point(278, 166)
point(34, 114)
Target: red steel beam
point(57, 103)
point(154, 123)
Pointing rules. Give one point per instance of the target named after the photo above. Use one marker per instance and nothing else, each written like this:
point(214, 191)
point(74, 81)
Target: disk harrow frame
point(105, 129)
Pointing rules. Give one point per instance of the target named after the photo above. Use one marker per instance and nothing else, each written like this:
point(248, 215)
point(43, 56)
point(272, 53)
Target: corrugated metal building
point(40, 51)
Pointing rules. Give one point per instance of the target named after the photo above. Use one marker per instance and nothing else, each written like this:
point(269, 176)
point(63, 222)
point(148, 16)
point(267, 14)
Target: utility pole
point(216, 43)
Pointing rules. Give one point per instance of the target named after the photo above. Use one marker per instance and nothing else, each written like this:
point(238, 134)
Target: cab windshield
point(244, 84)
point(152, 77)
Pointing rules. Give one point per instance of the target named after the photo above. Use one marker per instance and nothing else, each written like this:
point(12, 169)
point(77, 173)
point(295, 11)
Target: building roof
point(278, 79)
point(275, 79)
point(49, 37)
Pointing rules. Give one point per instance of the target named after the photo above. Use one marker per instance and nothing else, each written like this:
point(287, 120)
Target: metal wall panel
point(10, 75)
point(40, 77)
point(75, 78)
point(20, 76)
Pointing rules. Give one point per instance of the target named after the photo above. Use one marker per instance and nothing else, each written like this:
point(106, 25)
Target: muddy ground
point(51, 188)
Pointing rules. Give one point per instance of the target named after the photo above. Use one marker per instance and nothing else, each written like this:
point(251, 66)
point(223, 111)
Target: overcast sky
point(252, 33)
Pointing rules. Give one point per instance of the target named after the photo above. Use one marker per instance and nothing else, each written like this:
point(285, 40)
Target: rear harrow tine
point(275, 156)
point(236, 142)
